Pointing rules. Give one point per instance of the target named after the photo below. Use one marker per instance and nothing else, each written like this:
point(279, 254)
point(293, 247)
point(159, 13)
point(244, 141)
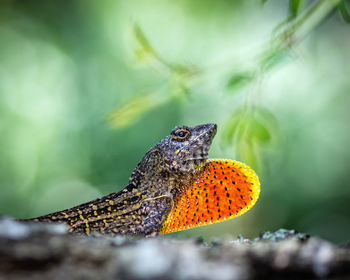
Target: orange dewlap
point(224, 190)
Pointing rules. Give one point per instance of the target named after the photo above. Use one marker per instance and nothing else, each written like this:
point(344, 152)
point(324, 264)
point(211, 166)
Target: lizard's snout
point(213, 128)
point(210, 131)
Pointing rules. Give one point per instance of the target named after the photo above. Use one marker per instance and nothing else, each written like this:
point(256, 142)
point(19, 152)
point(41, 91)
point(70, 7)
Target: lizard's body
point(142, 206)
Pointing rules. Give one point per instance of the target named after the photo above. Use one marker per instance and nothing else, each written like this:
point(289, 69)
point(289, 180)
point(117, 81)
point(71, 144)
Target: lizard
point(173, 187)
point(141, 207)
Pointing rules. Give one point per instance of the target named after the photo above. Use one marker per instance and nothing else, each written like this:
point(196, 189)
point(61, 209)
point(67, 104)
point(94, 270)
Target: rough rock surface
point(38, 251)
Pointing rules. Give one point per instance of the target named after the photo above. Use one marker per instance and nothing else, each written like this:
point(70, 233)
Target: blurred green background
point(87, 87)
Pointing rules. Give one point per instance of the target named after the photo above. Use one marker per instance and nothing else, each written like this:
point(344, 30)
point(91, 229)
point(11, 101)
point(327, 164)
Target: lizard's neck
point(152, 175)
point(155, 177)
point(155, 183)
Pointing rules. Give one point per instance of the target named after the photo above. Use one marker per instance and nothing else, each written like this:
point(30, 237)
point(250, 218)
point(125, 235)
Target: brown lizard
point(143, 205)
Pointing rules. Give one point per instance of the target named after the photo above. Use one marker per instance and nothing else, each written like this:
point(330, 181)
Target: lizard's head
point(185, 150)
point(181, 155)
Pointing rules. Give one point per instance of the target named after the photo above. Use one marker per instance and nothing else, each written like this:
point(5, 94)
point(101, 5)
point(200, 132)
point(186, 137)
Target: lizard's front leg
point(159, 207)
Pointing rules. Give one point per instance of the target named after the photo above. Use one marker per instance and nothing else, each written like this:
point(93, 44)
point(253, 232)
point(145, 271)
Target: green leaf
point(257, 125)
point(274, 59)
point(259, 132)
point(294, 7)
point(234, 126)
point(344, 11)
point(143, 41)
point(239, 80)
point(265, 127)
point(250, 130)
point(249, 154)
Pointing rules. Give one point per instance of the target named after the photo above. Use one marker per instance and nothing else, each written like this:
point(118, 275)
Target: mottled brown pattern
point(141, 207)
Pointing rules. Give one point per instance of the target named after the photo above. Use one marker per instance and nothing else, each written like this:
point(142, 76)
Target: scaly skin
point(142, 206)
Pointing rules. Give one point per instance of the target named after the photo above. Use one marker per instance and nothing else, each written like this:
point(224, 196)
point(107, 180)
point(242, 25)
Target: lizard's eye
point(181, 134)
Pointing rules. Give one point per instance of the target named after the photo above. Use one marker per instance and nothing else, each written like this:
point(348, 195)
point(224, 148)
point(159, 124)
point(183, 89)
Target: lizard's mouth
point(206, 138)
point(200, 155)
